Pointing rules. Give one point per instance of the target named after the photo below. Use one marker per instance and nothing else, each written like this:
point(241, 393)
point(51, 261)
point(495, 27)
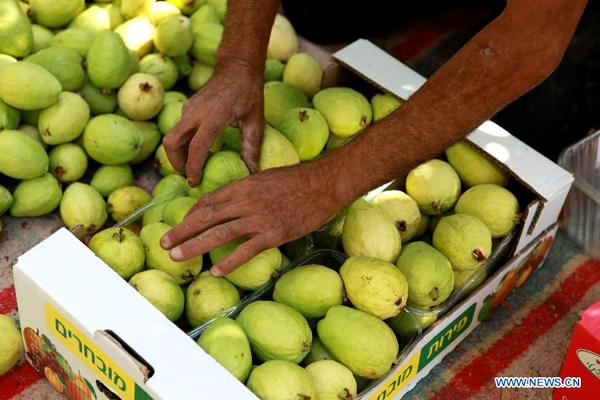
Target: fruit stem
point(479, 256)
point(434, 294)
point(119, 234)
point(401, 226)
point(345, 395)
point(303, 114)
point(145, 87)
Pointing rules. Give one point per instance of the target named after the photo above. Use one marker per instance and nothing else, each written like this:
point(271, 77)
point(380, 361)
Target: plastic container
point(582, 208)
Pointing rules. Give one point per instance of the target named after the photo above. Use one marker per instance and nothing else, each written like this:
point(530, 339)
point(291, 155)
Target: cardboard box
point(583, 357)
point(116, 341)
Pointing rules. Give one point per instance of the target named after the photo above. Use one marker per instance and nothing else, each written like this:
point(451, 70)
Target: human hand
point(233, 96)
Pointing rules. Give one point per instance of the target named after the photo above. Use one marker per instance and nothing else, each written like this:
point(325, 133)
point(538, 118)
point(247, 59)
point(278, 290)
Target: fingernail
point(176, 253)
point(165, 242)
point(216, 272)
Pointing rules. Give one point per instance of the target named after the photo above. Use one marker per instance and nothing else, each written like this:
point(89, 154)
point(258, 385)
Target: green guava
point(16, 36)
point(402, 210)
point(42, 37)
point(464, 240)
point(254, 273)
point(473, 167)
point(100, 101)
point(6, 200)
point(152, 138)
point(82, 204)
point(318, 352)
point(434, 220)
point(137, 34)
point(109, 178)
point(280, 97)
point(335, 142)
point(11, 343)
point(332, 380)
point(428, 272)
point(283, 42)
point(405, 325)
point(153, 215)
point(36, 197)
point(461, 276)
point(278, 379)
point(134, 64)
point(162, 68)
point(174, 36)
point(307, 130)
point(276, 150)
point(162, 10)
point(64, 121)
point(55, 13)
point(186, 6)
point(276, 331)
point(221, 7)
point(94, 18)
point(374, 286)
point(77, 39)
point(5, 59)
point(157, 258)
point(346, 111)
point(233, 138)
point(176, 210)
point(175, 96)
point(423, 225)
point(425, 318)
point(108, 61)
point(495, 206)
point(434, 185)
point(163, 165)
point(360, 341)
point(120, 249)
point(168, 185)
point(160, 289)
point(28, 86)
point(207, 296)
point(205, 13)
point(185, 65)
point(273, 70)
point(222, 168)
point(21, 156)
point(141, 97)
point(9, 117)
point(305, 72)
point(68, 162)
point(310, 289)
point(34, 133)
point(383, 105)
point(169, 116)
point(112, 140)
point(200, 75)
point(124, 201)
point(133, 8)
point(369, 232)
point(114, 12)
point(207, 38)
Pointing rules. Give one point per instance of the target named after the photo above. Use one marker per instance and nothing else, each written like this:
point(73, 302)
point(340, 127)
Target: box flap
point(590, 319)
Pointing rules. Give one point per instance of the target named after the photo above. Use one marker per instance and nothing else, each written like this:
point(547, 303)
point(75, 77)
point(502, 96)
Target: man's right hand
point(233, 96)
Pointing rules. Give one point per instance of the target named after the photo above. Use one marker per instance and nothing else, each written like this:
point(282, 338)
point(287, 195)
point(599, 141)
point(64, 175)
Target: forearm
point(505, 60)
point(247, 30)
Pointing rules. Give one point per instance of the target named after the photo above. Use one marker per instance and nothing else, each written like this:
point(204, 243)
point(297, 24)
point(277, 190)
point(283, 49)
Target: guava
point(21, 156)
point(276, 331)
point(141, 97)
point(283, 42)
point(374, 286)
point(318, 352)
point(137, 34)
point(335, 142)
point(42, 37)
point(332, 380)
point(162, 163)
point(185, 65)
point(28, 86)
point(200, 75)
point(464, 240)
point(112, 140)
point(158, 258)
point(160, 289)
point(207, 38)
point(222, 168)
point(169, 116)
point(64, 121)
point(176, 210)
point(36, 197)
point(11, 343)
point(153, 215)
point(369, 232)
point(360, 341)
point(94, 18)
point(434, 185)
point(346, 111)
point(425, 318)
point(82, 204)
point(34, 133)
point(207, 296)
point(434, 220)
point(77, 39)
point(233, 138)
point(114, 12)
point(109, 178)
point(27, 10)
point(218, 143)
point(428, 272)
point(55, 13)
point(423, 225)
point(473, 167)
point(133, 8)
point(310, 289)
point(152, 138)
point(280, 97)
point(168, 185)
point(276, 150)
point(402, 210)
point(16, 36)
point(383, 105)
point(134, 64)
point(161, 10)
point(254, 273)
point(221, 7)
point(278, 379)
point(68, 162)
point(124, 201)
point(65, 64)
point(186, 6)
point(273, 70)
point(174, 36)
point(162, 68)
point(174, 96)
point(9, 117)
point(100, 101)
point(5, 59)
point(6, 200)
point(120, 249)
point(495, 206)
point(405, 325)
point(307, 130)
point(108, 61)
point(461, 276)
point(305, 72)
point(206, 13)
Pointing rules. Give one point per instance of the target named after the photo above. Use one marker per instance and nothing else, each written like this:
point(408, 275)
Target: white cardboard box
point(110, 335)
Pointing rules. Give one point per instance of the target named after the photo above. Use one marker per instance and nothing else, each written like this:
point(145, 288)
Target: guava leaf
point(90, 387)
